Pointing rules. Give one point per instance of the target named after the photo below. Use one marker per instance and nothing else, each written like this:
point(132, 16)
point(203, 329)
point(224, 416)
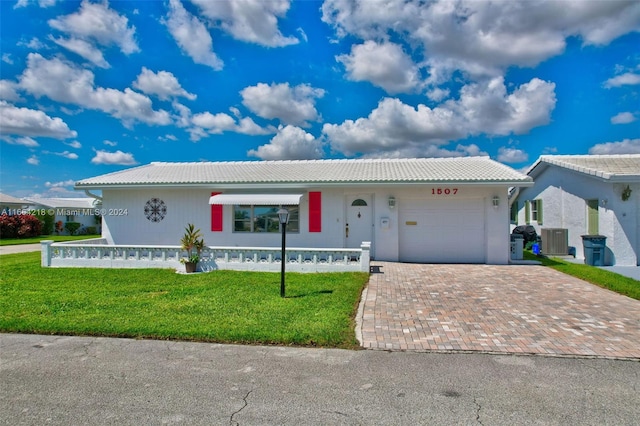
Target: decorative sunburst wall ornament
point(155, 210)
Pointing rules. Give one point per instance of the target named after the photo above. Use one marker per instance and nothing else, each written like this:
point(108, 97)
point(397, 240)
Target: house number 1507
point(444, 191)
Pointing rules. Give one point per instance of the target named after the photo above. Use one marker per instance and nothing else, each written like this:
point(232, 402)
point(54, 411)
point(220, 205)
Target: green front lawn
point(35, 240)
point(222, 306)
point(600, 277)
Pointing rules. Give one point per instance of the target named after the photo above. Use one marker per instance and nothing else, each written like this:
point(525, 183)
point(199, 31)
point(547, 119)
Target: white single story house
point(431, 210)
point(11, 205)
point(577, 195)
point(83, 210)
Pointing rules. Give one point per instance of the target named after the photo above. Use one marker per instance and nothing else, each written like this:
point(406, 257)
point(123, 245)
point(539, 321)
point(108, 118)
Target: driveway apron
point(522, 309)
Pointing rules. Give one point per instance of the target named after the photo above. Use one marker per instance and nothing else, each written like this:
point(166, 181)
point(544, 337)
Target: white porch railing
point(96, 253)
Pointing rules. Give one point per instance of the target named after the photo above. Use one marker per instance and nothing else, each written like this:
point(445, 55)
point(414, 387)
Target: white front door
point(359, 224)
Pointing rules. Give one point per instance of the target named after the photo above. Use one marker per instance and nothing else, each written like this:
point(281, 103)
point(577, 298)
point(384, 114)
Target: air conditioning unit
point(555, 241)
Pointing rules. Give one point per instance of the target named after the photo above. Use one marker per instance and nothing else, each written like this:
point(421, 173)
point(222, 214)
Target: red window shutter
point(315, 211)
point(216, 215)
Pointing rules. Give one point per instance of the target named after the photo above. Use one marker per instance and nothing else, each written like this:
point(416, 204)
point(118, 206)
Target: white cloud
point(482, 108)
point(626, 79)
point(6, 58)
point(29, 122)
point(41, 3)
point(302, 34)
point(482, 38)
point(247, 126)
point(61, 184)
point(512, 155)
point(109, 143)
point(33, 160)
point(64, 82)
point(84, 49)
point(206, 123)
point(214, 123)
point(192, 36)
point(437, 94)
point(163, 84)
point(383, 64)
point(74, 144)
point(623, 118)
point(33, 44)
point(96, 22)
point(118, 157)
point(420, 151)
point(290, 143)
point(67, 154)
point(9, 91)
point(24, 141)
point(487, 108)
point(626, 146)
point(291, 105)
point(254, 21)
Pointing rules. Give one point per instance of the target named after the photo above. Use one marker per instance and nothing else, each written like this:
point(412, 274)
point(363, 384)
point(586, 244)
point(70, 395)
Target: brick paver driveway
point(501, 309)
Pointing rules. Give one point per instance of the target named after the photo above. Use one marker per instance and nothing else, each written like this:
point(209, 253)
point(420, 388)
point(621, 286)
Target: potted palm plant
point(192, 242)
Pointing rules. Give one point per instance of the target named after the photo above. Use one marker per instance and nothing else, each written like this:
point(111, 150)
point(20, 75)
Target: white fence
point(96, 253)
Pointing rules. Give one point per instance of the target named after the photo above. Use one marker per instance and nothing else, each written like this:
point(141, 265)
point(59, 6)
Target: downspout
point(96, 197)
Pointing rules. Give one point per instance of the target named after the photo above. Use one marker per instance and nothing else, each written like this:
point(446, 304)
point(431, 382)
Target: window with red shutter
point(216, 215)
point(315, 211)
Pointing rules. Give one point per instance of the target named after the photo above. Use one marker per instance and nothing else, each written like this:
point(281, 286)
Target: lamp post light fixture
point(283, 218)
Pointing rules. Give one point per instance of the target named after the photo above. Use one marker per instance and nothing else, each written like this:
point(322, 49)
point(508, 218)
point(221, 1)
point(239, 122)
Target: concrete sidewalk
point(19, 248)
point(61, 380)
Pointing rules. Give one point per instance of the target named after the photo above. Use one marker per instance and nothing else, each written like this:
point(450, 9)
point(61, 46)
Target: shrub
point(20, 226)
point(90, 230)
point(47, 219)
point(71, 227)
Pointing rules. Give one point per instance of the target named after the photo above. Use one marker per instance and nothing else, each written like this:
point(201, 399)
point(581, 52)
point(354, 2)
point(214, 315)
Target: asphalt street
point(61, 380)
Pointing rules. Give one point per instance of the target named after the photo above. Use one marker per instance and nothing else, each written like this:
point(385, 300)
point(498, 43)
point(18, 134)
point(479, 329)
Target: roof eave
point(244, 185)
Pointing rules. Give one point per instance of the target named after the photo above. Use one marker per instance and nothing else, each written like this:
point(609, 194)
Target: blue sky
point(88, 88)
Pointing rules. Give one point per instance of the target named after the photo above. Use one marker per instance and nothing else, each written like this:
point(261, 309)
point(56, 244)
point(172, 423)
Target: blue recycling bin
point(535, 248)
point(594, 247)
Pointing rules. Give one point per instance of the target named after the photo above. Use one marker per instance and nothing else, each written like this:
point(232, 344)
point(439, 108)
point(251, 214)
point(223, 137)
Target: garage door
point(444, 231)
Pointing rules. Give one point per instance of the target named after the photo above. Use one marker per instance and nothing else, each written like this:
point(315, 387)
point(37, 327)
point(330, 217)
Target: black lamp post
point(283, 217)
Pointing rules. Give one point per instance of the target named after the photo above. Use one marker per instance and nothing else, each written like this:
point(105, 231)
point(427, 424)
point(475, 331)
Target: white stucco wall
point(191, 206)
point(564, 195)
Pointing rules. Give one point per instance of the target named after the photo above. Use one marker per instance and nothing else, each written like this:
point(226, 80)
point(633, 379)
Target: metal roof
point(64, 203)
point(620, 168)
point(8, 199)
point(312, 172)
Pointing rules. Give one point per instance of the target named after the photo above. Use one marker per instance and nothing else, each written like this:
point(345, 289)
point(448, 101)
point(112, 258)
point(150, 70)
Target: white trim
point(256, 199)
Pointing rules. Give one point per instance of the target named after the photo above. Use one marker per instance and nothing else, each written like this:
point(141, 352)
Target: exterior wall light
point(496, 201)
point(283, 218)
point(626, 193)
point(392, 202)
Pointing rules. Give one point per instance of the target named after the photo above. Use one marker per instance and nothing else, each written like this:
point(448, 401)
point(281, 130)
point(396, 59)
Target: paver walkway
point(497, 309)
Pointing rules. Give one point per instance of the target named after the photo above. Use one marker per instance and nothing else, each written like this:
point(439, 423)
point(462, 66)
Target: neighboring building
point(586, 195)
point(84, 211)
point(12, 205)
point(440, 210)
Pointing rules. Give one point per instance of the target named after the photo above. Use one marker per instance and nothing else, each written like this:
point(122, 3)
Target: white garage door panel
point(443, 232)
